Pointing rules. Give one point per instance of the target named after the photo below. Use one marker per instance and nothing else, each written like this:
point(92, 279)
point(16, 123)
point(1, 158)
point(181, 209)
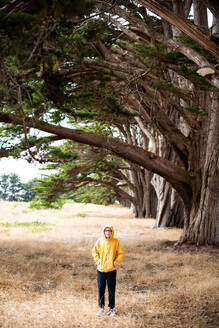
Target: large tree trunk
point(202, 223)
point(200, 15)
point(137, 208)
point(124, 202)
point(144, 194)
point(179, 11)
point(150, 197)
point(170, 208)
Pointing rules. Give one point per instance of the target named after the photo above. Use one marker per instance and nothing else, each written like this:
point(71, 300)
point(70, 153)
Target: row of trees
point(12, 189)
point(140, 90)
point(41, 193)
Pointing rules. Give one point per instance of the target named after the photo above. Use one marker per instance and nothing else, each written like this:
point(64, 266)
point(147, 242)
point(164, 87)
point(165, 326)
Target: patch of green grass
point(83, 215)
point(34, 226)
point(40, 229)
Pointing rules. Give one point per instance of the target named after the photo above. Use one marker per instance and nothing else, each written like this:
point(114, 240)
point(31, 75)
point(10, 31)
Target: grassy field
point(48, 279)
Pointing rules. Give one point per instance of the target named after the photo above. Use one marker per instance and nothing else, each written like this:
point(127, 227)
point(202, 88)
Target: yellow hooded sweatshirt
point(107, 251)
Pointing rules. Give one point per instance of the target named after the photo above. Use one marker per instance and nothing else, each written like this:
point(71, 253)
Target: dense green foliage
point(82, 179)
point(95, 195)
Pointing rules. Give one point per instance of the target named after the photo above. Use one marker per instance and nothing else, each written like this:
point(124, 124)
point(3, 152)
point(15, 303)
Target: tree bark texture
point(179, 12)
point(170, 207)
point(202, 224)
point(140, 178)
point(215, 26)
point(200, 15)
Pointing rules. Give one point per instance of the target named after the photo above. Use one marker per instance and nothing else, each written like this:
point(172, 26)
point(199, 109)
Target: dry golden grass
point(48, 280)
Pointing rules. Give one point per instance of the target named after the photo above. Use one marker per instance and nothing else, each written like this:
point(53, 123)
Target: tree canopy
point(120, 64)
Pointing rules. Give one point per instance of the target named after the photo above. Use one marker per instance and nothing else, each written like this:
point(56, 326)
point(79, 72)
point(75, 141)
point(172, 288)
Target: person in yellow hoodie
point(107, 254)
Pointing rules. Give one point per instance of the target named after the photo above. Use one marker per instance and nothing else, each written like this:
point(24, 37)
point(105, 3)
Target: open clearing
point(48, 279)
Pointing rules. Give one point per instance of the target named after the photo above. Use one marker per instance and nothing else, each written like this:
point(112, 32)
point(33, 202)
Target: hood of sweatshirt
point(103, 234)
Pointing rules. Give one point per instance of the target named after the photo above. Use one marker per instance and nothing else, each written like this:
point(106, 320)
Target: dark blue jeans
point(110, 278)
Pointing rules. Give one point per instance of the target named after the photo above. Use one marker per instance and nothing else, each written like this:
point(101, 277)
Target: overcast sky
point(25, 170)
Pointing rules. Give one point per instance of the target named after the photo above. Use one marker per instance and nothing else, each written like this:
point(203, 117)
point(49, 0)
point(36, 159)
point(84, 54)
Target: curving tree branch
point(178, 177)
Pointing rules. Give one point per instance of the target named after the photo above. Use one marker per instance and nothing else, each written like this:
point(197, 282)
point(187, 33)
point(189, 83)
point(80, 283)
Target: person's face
point(108, 232)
